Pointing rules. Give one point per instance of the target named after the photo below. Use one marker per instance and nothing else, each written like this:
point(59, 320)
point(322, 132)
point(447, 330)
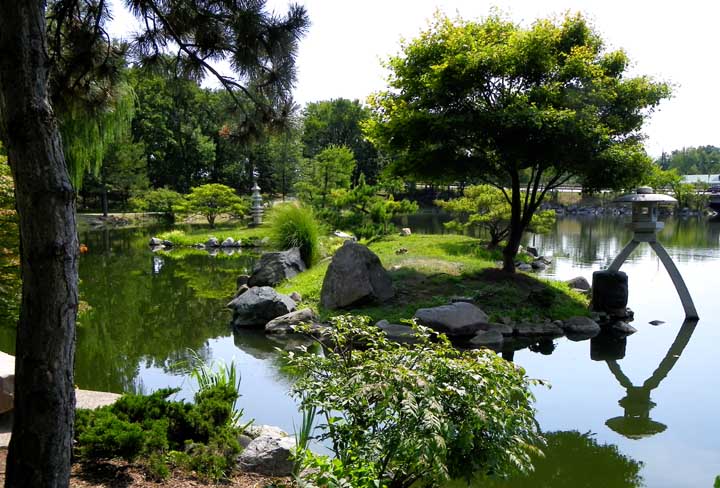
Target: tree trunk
point(41, 444)
point(516, 228)
point(104, 201)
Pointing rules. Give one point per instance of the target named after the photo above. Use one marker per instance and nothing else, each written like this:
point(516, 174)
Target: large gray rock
point(274, 267)
point(503, 329)
point(579, 283)
point(459, 319)
point(397, 332)
point(228, 242)
point(212, 242)
point(154, 242)
point(258, 306)
point(269, 453)
point(528, 329)
point(581, 326)
point(284, 323)
point(355, 276)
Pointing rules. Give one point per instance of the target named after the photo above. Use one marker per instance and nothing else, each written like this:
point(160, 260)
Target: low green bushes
point(165, 434)
point(425, 413)
point(296, 226)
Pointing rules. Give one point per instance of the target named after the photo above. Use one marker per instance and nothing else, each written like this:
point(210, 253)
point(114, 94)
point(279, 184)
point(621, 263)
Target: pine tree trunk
point(41, 444)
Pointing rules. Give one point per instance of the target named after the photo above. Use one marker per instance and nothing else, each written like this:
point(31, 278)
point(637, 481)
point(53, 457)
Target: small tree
point(214, 199)
point(425, 413)
point(158, 200)
point(331, 169)
point(522, 109)
point(484, 207)
point(366, 210)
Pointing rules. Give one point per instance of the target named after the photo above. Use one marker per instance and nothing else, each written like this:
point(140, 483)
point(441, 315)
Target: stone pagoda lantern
point(645, 226)
point(257, 203)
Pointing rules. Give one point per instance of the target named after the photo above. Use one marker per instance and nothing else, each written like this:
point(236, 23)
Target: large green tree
point(692, 160)
point(261, 48)
point(329, 170)
point(522, 109)
point(339, 122)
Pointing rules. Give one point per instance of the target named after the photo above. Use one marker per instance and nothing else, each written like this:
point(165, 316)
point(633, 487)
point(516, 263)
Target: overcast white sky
point(675, 41)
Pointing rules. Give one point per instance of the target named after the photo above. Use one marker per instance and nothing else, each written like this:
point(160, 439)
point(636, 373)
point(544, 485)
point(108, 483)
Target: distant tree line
point(692, 160)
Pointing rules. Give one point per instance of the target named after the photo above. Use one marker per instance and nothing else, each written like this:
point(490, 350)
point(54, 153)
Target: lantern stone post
point(257, 204)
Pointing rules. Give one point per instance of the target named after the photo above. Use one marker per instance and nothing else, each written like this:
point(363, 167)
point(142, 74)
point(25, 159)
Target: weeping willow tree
point(93, 102)
point(88, 133)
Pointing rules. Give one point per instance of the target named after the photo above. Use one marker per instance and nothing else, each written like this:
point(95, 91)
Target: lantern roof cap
point(645, 194)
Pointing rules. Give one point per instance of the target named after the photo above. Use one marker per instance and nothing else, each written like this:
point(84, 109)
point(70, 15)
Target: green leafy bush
point(296, 226)
point(152, 427)
point(158, 200)
point(214, 199)
point(401, 414)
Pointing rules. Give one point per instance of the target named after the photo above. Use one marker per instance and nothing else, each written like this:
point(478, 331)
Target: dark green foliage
point(339, 122)
point(296, 226)
point(151, 426)
point(692, 160)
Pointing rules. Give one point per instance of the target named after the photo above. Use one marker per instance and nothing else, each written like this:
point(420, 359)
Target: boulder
point(269, 453)
point(212, 242)
point(580, 325)
point(344, 235)
point(579, 283)
point(355, 276)
point(491, 339)
point(538, 265)
point(524, 267)
point(532, 251)
point(274, 267)
point(296, 297)
point(397, 332)
point(610, 292)
point(228, 242)
point(460, 319)
point(167, 243)
point(7, 382)
point(154, 242)
point(405, 231)
point(621, 328)
point(284, 323)
point(242, 280)
point(547, 329)
point(258, 306)
point(503, 329)
point(241, 289)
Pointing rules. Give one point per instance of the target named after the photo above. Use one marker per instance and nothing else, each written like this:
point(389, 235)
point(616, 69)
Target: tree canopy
point(522, 109)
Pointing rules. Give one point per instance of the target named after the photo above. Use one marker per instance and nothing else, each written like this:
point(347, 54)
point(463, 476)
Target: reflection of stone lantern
point(635, 423)
point(645, 226)
point(257, 205)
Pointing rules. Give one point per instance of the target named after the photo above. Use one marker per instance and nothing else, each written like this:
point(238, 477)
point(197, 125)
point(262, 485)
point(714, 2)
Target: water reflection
point(635, 423)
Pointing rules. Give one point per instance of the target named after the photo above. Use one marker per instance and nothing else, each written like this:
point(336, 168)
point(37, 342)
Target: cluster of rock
point(213, 243)
point(466, 324)
point(355, 276)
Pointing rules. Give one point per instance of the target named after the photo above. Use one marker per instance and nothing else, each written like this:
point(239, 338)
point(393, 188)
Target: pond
point(640, 413)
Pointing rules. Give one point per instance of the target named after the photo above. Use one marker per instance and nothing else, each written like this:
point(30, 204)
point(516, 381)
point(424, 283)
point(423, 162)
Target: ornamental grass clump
point(400, 414)
point(296, 226)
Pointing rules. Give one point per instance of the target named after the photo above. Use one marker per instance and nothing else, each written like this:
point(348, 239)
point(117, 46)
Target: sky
point(673, 41)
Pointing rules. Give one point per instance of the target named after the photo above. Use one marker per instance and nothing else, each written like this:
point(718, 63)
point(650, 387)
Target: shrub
point(296, 226)
point(158, 200)
point(159, 430)
point(400, 414)
point(214, 199)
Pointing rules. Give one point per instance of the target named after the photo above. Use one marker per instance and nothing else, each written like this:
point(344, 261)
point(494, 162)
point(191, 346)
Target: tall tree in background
point(522, 109)
point(261, 48)
point(339, 122)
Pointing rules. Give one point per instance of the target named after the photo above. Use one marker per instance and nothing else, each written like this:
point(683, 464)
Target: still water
point(641, 413)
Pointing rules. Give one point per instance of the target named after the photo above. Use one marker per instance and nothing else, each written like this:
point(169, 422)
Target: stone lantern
point(645, 226)
point(257, 204)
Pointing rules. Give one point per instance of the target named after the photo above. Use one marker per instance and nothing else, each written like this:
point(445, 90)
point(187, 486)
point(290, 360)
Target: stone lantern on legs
point(257, 204)
point(645, 226)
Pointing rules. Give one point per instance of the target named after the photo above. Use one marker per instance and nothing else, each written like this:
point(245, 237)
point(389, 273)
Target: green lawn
point(437, 267)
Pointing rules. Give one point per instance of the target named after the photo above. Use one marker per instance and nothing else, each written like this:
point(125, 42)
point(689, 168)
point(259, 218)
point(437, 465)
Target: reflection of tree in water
point(575, 460)
point(139, 317)
point(636, 423)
